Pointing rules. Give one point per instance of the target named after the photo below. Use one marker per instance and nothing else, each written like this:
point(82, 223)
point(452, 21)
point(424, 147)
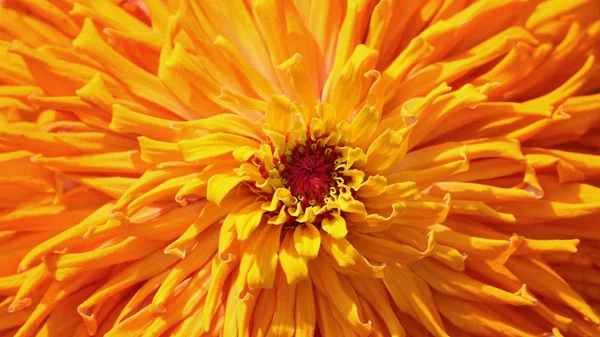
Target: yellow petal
point(305, 315)
point(218, 276)
point(220, 185)
point(351, 85)
point(265, 249)
point(327, 281)
point(348, 259)
point(248, 219)
point(214, 145)
point(294, 266)
point(194, 260)
point(140, 82)
point(188, 240)
point(374, 292)
point(279, 114)
point(400, 282)
point(464, 287)
point(363, 126)
point(283, 320)
point(451, 307)
point(307, 240)
point(228, 123)
point(125, 120)
point(295, 69)
point(335, 225)
point(389, 251)
point(389, 148)
point(541, 278)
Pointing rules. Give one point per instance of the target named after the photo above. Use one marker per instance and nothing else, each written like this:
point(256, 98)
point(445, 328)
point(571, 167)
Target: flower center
point(310, 172)
point(305, 179)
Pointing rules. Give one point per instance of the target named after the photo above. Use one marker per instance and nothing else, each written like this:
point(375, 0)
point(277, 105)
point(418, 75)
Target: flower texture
point(299, 168)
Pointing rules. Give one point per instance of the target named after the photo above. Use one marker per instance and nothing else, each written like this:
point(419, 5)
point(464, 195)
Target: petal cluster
point(299, 168)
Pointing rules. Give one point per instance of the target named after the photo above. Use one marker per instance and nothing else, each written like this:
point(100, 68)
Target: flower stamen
point(310, 172)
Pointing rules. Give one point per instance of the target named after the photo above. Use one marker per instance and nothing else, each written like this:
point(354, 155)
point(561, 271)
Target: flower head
point(299, 168)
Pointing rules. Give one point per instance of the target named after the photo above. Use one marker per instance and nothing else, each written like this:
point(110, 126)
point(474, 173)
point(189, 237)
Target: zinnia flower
point(299, 168)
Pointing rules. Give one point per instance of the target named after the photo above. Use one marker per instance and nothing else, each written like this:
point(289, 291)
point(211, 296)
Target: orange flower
point(299, 168)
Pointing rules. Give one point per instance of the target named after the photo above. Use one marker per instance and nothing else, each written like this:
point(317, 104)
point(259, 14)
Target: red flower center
point(310, 172)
